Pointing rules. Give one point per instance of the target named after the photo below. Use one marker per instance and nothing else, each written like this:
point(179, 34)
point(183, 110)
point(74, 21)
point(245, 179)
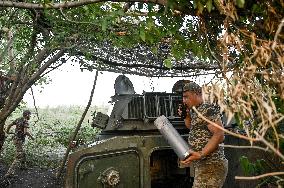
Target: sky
point(70, 86)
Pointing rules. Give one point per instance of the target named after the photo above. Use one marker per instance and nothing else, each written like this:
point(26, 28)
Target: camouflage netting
point(140, 60)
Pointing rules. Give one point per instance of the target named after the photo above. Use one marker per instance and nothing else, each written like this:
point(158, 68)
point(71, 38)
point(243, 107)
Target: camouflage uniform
point(19, 139)
point(212, 170)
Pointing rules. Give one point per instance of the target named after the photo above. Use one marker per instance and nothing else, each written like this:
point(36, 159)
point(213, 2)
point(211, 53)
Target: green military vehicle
point(130, 152)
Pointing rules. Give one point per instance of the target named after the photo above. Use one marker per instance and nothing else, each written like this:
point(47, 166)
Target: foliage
point(258, 167)
point(52, 133)
point(252, 168)
point(211, 30)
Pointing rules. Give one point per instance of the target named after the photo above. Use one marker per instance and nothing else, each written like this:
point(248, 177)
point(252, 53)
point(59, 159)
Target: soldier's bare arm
point(215, 140)
point(212, 144)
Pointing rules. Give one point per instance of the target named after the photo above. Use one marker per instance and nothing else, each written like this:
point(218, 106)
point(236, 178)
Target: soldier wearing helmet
point(21, 131)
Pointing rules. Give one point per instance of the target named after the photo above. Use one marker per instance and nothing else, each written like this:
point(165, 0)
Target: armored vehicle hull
point(127, 161)
point(131, 153)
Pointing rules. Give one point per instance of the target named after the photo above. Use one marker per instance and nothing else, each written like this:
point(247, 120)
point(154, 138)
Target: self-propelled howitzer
point(130, 151)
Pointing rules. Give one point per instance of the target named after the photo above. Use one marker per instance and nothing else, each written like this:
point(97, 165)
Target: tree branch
point(259, 177)
point(217, 60)
point(72, 21)
point(9, 43)
point(78, 126)
point(32, 91)
point(57, 66)
point(276, 151)
point(245, 147)
point(223, 129)
point(45, 66)
point(277, 33)
point(69, 4)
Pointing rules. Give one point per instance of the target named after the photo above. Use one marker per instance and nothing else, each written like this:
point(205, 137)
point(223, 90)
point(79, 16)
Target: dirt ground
point(30, 178)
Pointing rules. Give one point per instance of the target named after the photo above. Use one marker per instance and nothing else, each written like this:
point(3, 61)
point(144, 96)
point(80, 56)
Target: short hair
point(192, 87)
point(178, 86)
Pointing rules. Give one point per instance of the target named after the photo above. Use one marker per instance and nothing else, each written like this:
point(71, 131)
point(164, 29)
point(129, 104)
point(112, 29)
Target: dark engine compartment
point(166, 173)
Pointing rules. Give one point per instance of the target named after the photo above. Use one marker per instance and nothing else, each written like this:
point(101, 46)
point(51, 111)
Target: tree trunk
point(2, 136)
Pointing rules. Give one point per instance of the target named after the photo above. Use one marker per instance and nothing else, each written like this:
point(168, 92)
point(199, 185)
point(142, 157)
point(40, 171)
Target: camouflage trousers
point(211, 175)
point(20, 158)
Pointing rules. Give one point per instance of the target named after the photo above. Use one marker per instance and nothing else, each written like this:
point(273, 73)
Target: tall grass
point(52, 129)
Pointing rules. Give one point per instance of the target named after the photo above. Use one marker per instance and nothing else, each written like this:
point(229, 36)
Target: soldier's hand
point(179, 111)
point(193, 157)
point(183, 111)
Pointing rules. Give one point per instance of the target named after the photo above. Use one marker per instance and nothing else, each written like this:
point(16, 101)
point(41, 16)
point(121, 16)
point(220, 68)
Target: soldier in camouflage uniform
point(210, 164)
point(21, 131)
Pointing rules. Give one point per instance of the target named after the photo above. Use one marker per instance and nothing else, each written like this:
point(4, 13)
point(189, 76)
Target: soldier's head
point(27, 114)
point(192, 94)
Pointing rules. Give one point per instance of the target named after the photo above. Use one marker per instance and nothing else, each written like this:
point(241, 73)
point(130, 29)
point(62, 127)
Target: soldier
point(207, 157)
point(21, 131)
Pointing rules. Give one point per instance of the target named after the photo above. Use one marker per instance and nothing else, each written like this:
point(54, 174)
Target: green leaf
point(209, 5)
point(150, 23)
point(200, 6)
point(142, 34)
point(256, 8)
point(240, 3)
point(140, 5)
point(104, 25)
point(168, 63)
point(259, 166)
point(47, 1)
point(120, 12)
point(245, 165)
point(150, 7)
point(86, 8)
point(150, 38)
point(195, 4)
point(155, 50)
